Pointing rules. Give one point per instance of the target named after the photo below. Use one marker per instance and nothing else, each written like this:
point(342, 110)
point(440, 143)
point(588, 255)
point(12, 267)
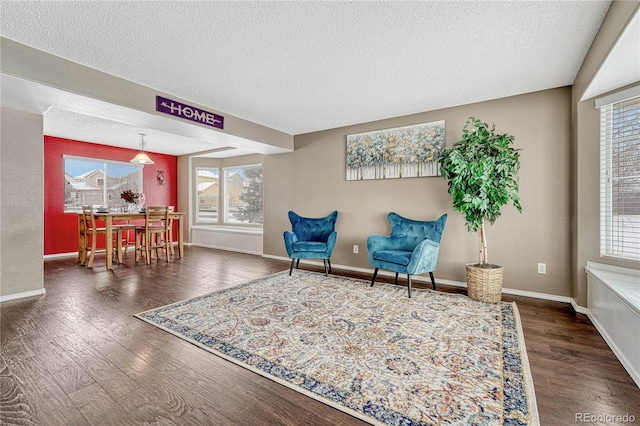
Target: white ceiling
point(304, 66)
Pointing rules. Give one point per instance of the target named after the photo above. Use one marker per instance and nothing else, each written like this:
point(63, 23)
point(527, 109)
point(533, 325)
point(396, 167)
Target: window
point(243, 195)
point(239, 189)
point(93, 181)
point(207, 189)
point(620, 175)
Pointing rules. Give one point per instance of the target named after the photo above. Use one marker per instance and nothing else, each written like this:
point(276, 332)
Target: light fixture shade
point(141, 157)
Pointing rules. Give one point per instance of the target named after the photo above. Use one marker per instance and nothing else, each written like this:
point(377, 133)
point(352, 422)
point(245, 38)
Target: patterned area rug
point(433, 359)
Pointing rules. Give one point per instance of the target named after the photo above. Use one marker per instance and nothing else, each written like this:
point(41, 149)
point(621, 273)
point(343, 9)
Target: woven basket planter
point(485, 284)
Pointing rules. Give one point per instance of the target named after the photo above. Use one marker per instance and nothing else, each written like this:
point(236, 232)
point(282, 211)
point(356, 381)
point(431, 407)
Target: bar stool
point(154, 235)
point(89, 232)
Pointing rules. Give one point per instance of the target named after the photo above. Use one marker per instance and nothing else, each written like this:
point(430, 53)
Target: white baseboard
point(32, 293)
point(547, 296)
point(515, 292)
point(579, 309)
point(60, 255)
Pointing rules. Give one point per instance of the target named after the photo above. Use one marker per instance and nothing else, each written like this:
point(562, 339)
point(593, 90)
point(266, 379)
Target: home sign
point(178, 109)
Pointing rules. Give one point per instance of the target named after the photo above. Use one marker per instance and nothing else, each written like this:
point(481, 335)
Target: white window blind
point(207, 190)
point(239, 190)
point(98, 182)
point(620, 179)
point(243, 195)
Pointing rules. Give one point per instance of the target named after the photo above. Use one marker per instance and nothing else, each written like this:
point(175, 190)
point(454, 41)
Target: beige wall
point(586, 151)
point(311, 181)
point(22, 203)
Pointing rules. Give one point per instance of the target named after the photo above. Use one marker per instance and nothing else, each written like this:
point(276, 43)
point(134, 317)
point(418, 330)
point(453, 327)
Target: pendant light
point(141, 157)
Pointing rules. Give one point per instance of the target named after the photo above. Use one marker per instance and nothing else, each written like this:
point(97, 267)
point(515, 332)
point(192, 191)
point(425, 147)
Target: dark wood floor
point(78, 356)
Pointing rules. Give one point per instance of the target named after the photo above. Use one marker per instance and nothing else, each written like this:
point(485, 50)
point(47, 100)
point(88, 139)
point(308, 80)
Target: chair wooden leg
point(326, 271)
point(167, 247)
point(125, 245)
point(298, 264)
point(154, 243)
point(143, 247)
point(375, 274)
point(329, 262)
point(94, 241)
point(409, 284)
point(396, 278)
point(291, 268)
point(173, 250)
point(148, 242)
point(119, 245)
point(83, 250)
point(433, 281)
point(137, 246)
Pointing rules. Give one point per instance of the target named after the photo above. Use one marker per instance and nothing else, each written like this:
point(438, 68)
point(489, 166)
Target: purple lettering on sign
point(178, 109)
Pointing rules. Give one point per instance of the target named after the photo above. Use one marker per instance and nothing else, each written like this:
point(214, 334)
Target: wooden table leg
point(108, 240)
point(82, 254)
point(180, 238)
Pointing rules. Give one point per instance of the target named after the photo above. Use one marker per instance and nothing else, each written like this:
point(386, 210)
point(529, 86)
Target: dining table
point(110, 217)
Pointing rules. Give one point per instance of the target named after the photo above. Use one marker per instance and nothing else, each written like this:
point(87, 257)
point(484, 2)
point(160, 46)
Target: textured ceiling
point(304, 66)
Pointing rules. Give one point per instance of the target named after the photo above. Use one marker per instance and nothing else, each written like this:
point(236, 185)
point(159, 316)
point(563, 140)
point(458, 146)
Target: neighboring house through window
point(93, 181)
point(240, 190)
point(207, 195)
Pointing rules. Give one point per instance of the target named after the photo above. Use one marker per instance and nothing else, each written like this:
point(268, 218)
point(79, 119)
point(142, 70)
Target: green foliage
point(482, 173)
point(251, 211)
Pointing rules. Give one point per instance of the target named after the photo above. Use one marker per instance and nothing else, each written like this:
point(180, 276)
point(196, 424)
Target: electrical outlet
point(355, 249)
point(542, 268)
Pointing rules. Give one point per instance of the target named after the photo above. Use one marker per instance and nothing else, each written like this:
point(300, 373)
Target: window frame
point(196, 218)
point(225, 191)
point(105, 169)
point(222, 206)
point(611, 245)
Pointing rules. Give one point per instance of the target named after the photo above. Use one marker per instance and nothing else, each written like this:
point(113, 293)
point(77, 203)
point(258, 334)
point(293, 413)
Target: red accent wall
point(60, 228)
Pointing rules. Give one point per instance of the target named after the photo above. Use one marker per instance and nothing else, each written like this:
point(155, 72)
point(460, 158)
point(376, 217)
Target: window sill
point(620, 259)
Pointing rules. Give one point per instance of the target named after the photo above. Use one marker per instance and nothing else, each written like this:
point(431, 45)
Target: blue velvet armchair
point(412, 248)
point(311, 238)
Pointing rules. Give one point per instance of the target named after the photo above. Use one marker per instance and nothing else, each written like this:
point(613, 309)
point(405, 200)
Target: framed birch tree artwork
point(401, 152)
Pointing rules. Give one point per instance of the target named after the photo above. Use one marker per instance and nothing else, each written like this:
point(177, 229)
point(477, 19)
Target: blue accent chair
point(412, 248)
point(311, 238)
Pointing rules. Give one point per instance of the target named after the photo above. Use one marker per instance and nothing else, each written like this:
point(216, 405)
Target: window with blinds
point(243, 195)
point(98, 182)
point(240, 192)
point(620, 178)
point(207, 190)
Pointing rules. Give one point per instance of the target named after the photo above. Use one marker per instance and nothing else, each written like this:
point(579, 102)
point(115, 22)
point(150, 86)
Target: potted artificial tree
point(482, 173)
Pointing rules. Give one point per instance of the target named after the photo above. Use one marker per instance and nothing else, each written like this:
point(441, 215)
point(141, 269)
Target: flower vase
point(132, 208)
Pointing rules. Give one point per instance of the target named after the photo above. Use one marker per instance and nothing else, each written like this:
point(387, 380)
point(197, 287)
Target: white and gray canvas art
point(401, 152)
